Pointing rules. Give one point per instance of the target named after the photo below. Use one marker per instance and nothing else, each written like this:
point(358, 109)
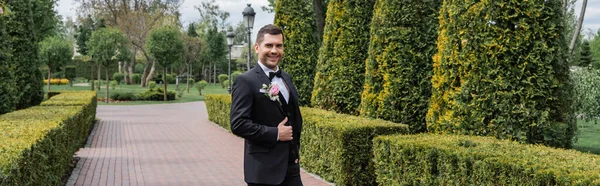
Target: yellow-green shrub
point(399, 66)
point(340, 70)
point(472, 160)
point(501, 71)
point(335, 146)
point(38, 143)
point(219, 107)
point(57, 81)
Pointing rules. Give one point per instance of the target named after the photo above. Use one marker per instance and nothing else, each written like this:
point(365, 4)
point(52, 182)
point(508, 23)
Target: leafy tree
point(166, 45)
point(55, 52)
point(107, 46)
point(301, 45)
point(398, 68)
point(192, 54)
point(595, 49)
point(585, 59)
point(503, 75)
point(191, 31)
point(341, 66)
point(587, 92)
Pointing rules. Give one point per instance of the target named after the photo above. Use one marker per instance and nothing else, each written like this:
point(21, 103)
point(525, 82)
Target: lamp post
point(249, 22)
point(230, 36)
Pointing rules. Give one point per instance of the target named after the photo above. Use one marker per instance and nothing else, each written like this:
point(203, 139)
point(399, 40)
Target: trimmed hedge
point(219, 109)
point(337, 147)
point(501, 71)
point(38, 143)
point(472, 160)
point(399, 66)
point(297, 18)
point(340, 72)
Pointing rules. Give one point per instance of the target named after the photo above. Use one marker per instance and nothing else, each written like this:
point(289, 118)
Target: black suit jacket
point(255, 117)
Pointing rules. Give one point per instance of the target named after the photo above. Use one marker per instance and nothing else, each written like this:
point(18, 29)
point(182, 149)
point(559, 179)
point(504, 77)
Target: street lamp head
point(230, 36)
point(249, 17)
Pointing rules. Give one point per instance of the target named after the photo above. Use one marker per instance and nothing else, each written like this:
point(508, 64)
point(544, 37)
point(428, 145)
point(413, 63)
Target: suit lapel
point(291, 89)
point(260, 74)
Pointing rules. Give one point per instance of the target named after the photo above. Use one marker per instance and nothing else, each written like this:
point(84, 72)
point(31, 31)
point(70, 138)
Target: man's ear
point(256, 47)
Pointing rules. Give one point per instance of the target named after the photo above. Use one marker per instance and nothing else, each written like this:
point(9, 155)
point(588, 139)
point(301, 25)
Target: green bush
point(340, 71)
point(219, 107)
point(70, 72)
point(503, 74)
point(301, 44)
point(155, 94)
point(136, 78)
point(223, 80)
point(398, 69)
point(201, 84)
point(171, 79)
point(124, 96)
point(38, 143)
point(471, 160)
point(235, 75)
point(152, 85)
point(118, 77)
point(113, 84)
point(337, 147)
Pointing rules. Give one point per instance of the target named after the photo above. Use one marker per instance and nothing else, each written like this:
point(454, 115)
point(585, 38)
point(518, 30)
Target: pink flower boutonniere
point(271, 91)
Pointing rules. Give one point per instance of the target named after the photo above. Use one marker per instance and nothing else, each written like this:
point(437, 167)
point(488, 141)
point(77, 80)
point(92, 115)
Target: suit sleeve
point(241, 111)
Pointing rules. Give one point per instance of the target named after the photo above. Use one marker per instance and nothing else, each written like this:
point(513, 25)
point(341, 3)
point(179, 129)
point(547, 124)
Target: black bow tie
point(273, 74)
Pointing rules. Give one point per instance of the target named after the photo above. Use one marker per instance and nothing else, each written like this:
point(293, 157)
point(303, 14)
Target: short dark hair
point(268, 29)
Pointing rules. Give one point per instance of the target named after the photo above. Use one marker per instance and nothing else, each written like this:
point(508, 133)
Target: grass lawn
point(589, 137)
point(187, 97)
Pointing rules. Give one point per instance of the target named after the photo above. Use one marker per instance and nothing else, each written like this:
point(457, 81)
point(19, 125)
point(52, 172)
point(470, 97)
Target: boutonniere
point(271, 91)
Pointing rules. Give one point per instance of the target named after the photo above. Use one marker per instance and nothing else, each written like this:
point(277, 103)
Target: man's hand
point(285, 132)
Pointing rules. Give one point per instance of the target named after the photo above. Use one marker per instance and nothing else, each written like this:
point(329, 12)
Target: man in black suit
point(265, 112)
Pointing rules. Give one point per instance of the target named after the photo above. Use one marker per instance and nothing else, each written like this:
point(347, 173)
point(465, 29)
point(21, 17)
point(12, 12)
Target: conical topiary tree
point(7, 80)
point(341, 66)
point(399, 66)
point(501, 71)
point(301, 45)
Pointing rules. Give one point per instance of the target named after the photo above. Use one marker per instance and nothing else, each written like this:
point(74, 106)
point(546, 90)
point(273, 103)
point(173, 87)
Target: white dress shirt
point(282, 88)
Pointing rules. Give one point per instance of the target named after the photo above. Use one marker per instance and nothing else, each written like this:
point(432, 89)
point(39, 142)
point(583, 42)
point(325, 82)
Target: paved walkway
point(167, 144)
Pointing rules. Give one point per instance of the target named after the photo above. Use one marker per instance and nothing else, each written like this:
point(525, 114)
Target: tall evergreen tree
point(585, 58)
point(29, 80)
point(399, 67)
point(340, 69)
point(301, 46)
point(8, 93)
point(503, 75)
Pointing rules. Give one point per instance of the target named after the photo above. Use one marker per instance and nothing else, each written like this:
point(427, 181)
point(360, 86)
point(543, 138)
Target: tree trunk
point(93, 88)
point(214, 72)
point(99, 76)
point(319, 18)
point(130, 69)
point(106, 72)
point(578, 29)
point(151, 73)
point(125, 72)
point(143, 82)
point(120, 67)
point(165, 83)
point(49, 78)
point(189, 73)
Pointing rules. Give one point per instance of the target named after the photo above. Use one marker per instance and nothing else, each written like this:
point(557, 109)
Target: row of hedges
point(57, 81)
point(38, 143)
point(335, 146)
point(470, 160)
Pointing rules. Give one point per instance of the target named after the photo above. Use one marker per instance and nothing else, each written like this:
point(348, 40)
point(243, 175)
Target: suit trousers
point(292, 177)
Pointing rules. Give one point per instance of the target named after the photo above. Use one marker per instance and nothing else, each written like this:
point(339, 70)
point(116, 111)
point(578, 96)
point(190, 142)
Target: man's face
point(270, 50)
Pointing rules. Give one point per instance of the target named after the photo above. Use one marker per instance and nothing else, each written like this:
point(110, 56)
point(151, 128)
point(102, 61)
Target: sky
point(235, 8)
